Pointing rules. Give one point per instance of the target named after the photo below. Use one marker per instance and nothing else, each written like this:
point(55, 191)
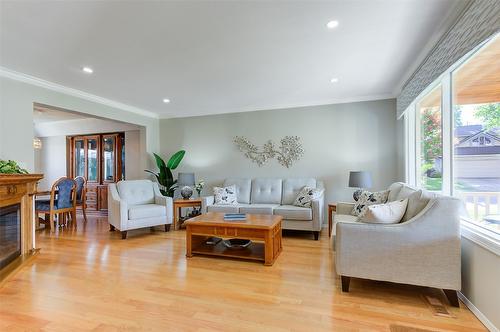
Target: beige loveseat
point(423, 249)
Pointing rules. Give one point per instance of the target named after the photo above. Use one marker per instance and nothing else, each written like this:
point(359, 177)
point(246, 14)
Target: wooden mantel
point(20, 189)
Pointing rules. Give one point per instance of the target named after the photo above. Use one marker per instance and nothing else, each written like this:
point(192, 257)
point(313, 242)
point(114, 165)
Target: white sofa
point(273, 196)
point(137, 204)
point(423, 249)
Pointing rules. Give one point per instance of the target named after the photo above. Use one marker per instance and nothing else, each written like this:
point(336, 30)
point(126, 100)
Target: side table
point(183, 203)
point(331, 208)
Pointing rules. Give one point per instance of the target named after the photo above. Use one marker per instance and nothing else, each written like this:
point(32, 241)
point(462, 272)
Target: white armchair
point(137, 204)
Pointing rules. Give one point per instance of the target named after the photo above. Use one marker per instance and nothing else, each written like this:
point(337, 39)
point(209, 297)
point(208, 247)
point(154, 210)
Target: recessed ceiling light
point(334, 80)
point(166, 100)
point(332, 24)
point(88, 70)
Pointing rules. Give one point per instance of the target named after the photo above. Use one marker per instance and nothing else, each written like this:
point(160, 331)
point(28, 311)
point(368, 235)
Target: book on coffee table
point(234, 216)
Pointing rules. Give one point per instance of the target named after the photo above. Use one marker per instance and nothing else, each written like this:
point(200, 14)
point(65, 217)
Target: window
point(431, 140)
point(453, 136)
point(476, 135)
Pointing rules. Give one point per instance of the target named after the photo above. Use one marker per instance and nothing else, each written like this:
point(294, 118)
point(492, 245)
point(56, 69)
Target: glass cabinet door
point(109, 158)
point(79, 157)
point(92, 166)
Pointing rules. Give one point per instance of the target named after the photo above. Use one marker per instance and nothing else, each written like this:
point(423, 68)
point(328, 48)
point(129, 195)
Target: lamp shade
point(360, 179)
point(185, 179)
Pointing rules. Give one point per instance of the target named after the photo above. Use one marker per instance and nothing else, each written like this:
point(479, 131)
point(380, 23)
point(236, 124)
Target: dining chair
point(81, 194)
point(62, 201)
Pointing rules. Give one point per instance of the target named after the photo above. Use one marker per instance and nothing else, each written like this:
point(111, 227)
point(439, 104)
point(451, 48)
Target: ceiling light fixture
point(334, 80)
point(332, 24)
point(166, 100)
point(88, 70)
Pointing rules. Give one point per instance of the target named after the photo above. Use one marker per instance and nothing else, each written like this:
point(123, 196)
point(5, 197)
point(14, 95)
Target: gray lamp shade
point(185, 179)
point(360, 179)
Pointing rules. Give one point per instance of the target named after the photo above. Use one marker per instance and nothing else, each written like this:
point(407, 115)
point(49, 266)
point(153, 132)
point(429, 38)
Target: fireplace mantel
point(20, 189)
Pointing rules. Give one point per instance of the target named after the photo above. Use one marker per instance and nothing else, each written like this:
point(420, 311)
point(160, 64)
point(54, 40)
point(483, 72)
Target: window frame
point(485, 237)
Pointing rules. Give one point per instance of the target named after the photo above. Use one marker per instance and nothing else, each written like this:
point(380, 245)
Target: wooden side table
point(183, 203)
point(331, 208)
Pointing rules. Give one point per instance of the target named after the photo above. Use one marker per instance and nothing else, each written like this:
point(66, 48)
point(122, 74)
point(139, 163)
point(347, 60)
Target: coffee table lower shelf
point(255, 251)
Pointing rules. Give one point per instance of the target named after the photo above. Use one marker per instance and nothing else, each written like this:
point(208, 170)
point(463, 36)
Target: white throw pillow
point(306, 195)
point(367, 198)
point(390, 213)
point(225, 195)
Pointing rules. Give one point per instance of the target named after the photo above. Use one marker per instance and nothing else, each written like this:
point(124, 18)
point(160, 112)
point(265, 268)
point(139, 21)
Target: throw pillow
point(367, 198)
point(306, 196)
point(225, 195)
point(390, 213)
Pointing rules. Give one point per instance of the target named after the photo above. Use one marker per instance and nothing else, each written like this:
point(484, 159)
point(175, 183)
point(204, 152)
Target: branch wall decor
point(289, 151)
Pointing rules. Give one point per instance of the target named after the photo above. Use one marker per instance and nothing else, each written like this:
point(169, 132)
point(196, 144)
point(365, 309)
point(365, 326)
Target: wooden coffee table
point(263, 230)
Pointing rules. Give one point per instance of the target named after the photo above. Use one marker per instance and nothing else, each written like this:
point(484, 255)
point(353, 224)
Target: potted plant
point(164, 176)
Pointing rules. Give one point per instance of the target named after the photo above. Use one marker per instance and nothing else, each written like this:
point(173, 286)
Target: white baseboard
point(489, 325)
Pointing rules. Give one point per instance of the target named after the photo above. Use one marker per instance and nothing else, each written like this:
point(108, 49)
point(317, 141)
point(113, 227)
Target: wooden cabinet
point(100, 159)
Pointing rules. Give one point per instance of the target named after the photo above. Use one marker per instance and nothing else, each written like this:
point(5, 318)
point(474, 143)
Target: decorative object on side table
point(199, 187)
point(186, 180)
point(289, 151)
point(360, 180)
point(165, 178)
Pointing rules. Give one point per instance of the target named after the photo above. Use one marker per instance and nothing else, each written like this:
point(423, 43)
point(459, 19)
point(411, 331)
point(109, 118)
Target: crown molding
point(21, 77)
point(297, 105)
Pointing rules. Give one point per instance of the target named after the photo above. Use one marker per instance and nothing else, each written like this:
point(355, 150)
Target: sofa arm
point(205, 202)
point(344, 208)
point(117, 209)
point(318, 207)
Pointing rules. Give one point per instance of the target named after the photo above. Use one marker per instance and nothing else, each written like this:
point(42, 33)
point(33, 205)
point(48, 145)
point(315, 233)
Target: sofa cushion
point(147, 211)
point(293, 212)
point(266, 191)
point(405, 192)
point(258, 208)
point(292, 187)
point(306, 196)
point(223, 208)
point(416, 203)
point(225, 195)
point(243, 187)
point(394, 190)
point(136, 192)
point(389, 213)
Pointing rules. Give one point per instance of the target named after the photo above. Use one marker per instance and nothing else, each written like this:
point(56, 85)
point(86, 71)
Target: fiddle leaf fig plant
point(164, 176)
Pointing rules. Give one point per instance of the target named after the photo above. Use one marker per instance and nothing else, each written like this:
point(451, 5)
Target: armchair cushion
point(417, 201)
point(136, 192)
point(146, 211)
point(292, 212)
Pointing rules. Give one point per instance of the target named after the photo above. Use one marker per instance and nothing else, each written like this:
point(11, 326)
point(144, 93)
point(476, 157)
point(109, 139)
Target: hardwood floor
point(89, 279)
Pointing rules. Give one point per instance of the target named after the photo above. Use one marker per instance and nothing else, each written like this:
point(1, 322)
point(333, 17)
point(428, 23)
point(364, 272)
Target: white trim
point(8, 73)
point(481, 236)
point(286, 106)
point(446, 135)
point(486, 322)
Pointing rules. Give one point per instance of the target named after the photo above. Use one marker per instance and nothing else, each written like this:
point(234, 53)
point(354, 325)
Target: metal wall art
point(289, 151)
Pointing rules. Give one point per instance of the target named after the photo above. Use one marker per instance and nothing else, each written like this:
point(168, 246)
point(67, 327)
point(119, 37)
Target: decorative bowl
point(237, 243)
point(186, 192)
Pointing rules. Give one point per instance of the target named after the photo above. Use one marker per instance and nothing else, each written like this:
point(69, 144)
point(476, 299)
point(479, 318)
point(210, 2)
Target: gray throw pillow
point(417, 201)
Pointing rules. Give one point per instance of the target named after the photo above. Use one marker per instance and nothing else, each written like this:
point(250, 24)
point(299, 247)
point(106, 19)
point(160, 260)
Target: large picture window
point(453, 135)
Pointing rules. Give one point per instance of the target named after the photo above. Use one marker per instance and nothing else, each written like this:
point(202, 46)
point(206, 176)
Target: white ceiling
point(48, 115)
point(218, 57)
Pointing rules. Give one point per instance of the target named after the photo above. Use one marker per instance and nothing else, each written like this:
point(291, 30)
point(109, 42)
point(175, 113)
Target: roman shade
point(478, 21)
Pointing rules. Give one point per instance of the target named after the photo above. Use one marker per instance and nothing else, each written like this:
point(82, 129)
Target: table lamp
point(360, 180)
